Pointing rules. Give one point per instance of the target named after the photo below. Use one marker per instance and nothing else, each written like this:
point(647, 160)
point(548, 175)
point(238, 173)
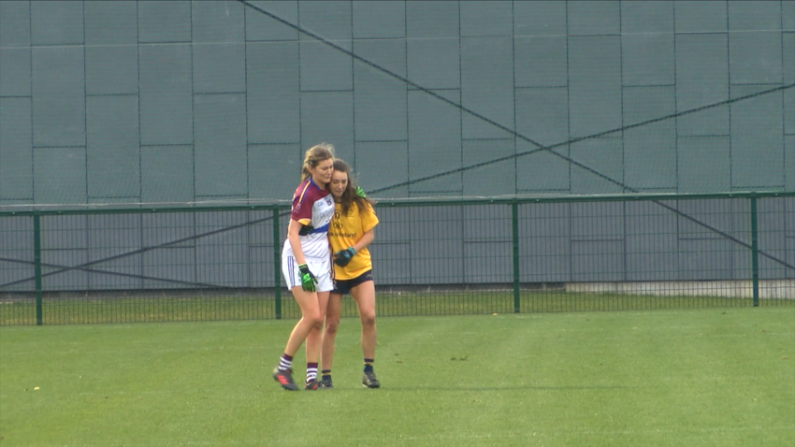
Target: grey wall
point(127, 102)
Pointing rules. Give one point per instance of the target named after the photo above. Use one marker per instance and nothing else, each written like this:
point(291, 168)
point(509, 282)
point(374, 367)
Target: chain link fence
point(431, 257)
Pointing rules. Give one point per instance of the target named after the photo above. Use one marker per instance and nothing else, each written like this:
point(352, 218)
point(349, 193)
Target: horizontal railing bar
point(421, 201)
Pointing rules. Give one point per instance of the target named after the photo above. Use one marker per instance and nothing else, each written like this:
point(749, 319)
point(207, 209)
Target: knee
point(318, 324)
point(331, 325)
point(368, 320)
point(315, 319)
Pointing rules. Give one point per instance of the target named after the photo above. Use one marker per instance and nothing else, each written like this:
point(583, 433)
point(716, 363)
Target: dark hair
point(349, 195)
point(313, 156)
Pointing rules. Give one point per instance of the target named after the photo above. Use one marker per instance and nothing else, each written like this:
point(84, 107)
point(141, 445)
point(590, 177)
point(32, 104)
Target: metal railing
point(431, 257)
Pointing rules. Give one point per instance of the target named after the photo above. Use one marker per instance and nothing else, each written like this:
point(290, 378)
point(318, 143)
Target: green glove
point(360, 192)
point(308, 280)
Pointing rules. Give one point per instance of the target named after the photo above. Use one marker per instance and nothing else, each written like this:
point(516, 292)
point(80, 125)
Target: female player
point(306, 263)
point(350, 234)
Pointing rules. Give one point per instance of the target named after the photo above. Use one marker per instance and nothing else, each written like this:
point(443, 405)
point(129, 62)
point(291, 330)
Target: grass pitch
point(699, 377)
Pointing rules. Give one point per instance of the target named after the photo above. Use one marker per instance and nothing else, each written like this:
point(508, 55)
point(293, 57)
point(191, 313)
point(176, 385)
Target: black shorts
point(345, 286)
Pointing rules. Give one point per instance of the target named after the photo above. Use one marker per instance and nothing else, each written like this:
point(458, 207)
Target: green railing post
point(277, 265)
point(37, 266)
point(754, 252)
point(515, 240)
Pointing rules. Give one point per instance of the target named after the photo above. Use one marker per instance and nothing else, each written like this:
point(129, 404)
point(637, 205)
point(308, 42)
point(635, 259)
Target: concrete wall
point(128, 102)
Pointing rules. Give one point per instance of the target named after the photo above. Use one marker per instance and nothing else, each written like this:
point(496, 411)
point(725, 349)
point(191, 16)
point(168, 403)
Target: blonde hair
point(314, 155)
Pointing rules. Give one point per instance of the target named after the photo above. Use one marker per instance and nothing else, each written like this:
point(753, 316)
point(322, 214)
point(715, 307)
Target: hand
point(360, 192)
point(305, 230)
point(343, 257)
point(308, 280)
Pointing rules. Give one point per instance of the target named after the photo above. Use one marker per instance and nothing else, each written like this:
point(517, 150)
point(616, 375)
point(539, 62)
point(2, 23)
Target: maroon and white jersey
point(312, 206)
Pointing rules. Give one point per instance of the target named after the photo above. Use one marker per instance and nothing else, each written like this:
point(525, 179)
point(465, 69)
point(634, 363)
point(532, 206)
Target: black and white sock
point(311, 372)
point(285, 362)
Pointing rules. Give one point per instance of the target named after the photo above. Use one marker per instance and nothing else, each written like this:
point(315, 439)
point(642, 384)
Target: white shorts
point(320, 268)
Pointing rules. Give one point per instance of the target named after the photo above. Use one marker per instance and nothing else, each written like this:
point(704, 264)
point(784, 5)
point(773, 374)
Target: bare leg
point(310, 318)
point(313, 338)
point(330, 330)
point(364, 294)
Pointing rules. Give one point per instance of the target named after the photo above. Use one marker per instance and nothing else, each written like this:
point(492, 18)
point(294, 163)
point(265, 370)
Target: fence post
point(37, 266)
point(277, 265)
point(754, 252)
point(515, 240)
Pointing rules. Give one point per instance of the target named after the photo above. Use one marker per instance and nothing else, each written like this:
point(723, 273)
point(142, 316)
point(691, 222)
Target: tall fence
point(431, 257)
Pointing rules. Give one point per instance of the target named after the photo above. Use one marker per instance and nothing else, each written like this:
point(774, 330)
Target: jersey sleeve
point(369, 219)
point(302, 205)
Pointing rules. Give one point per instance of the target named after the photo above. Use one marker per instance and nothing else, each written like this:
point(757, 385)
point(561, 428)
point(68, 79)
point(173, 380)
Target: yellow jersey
point(344, 231)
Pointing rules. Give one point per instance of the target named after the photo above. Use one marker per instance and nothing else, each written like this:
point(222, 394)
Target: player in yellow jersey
point(350, 232)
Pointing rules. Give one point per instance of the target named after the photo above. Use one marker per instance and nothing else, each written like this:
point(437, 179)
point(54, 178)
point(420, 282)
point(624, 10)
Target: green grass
point(163, 307)
point(722, 377)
